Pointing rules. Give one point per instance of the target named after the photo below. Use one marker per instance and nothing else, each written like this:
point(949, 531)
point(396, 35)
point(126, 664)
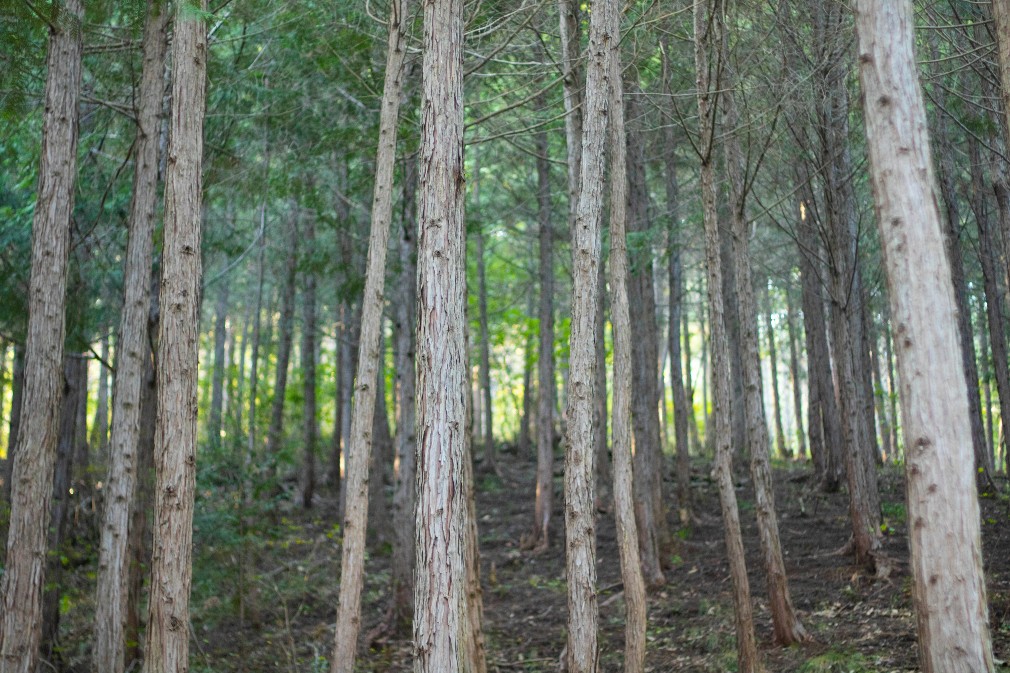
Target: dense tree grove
point(466, 335)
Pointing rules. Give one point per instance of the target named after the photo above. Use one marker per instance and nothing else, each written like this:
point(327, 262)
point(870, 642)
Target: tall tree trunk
point(359, 446)
point(379, 519)
point(524, 443)
point(946, 554)
point(35, 454)
point(580, 455)
point(443, 628)
point(544, 505)
point(167, 648)
point(846, 291)
point(220, 362)
point(692, 426)
point(275, 432)
point(311, 437)
point(139, 545)
point(824, 426)
point(404, 352)
point(773, 368)
point(708, 38)
point(676, 313)
point(628, 538)
point(649, 463)
point(794, 376)
point(132, 361)
point(786, 625)
point(75, 369)
point(484, 345)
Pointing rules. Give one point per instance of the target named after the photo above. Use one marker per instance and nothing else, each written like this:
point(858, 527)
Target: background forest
point(754, 104)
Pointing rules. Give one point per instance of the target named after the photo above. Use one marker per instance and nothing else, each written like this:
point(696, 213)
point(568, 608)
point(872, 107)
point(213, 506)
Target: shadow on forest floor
point(286, 624)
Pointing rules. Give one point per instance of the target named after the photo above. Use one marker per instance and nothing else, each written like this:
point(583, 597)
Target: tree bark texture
point(75, 368)
point(443, 631)
point(35, 454)
point(649, 463)
point(133, 354)
point(624, 477)
point(404, 355)
point(359, 447)
point(708, 37)
point(580, 455)
point(167, 649)
point(943, 511)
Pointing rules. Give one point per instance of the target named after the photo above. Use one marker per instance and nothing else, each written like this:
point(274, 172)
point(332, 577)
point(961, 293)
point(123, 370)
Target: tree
point(624, 478)
point(943, 511)
point(443, 631)
point(359, 447)
point(35, 454)
point(544, 505)
point(167, 640)
point(580, 455)
point(708, 37)
point(133, 354)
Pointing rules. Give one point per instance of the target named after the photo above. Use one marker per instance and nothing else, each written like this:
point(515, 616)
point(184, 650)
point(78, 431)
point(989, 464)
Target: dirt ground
point(285, 620)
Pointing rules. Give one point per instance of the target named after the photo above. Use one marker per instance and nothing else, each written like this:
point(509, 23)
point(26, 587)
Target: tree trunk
point(628, 538)
point(133, 355)
point(167, 648)
point(379, 519)
point(580, 456)
point(824, 426)
point(75, 369)
point(773, 368)
point(787, 628)
point(275, 433)
point(311, 437)
point(443, 630)
point(794, 376)
point(649, 463)
point(846, 294)
point(708, 38)
point(484, 383)
point(943, 513)
point(139, 545)
point(35, 455)
point(404, 354)
point(220, 362)
point(544, 505)
point(676, 312)
point(692, 425)
point(359, 446)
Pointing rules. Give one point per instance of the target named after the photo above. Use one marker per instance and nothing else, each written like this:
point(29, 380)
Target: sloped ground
point(285, 620)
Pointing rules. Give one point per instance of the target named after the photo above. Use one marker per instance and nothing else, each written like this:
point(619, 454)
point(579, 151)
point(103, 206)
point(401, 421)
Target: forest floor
point(858, 623)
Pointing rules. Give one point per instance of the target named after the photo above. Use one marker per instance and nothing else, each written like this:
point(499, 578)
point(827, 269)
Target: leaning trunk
point(946, 554)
